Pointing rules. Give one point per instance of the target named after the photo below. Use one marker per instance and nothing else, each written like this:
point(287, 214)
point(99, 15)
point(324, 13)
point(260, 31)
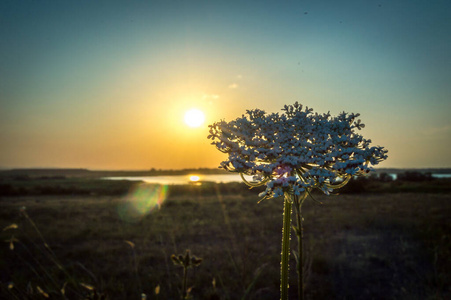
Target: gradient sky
point(105, 84)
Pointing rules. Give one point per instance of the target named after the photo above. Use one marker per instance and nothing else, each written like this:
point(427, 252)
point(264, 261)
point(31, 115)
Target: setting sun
point(194, 118)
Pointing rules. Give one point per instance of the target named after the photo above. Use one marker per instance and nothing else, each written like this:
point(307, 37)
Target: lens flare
point(142, 200)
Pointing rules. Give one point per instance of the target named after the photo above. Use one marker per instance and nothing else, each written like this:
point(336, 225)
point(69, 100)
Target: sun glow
point(194, 118)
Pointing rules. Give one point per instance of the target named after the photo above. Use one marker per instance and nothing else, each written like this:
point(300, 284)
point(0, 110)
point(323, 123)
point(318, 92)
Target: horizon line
point(180, 169)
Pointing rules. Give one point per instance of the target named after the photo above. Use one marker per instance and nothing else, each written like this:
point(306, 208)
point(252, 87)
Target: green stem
point(284, 264)
point(299, 234)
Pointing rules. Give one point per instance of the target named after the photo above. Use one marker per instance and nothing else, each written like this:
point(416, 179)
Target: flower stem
point(299, 233)
point(284, 264)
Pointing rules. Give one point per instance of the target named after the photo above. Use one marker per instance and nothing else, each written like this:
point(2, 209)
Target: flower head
point(297, 150)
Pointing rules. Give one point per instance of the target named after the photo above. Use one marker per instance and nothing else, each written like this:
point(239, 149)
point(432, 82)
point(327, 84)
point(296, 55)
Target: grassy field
point(360, 246)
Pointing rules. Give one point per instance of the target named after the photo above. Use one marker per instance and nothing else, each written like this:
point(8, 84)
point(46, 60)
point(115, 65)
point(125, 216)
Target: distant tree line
point(415, 176)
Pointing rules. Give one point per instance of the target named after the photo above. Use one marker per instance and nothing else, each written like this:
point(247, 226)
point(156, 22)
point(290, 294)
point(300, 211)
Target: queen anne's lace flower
point(296, 151)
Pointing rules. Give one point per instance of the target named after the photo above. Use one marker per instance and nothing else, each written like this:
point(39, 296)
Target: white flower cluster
point(295, 151)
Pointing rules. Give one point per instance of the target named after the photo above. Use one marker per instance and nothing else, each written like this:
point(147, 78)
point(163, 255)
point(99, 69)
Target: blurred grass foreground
point(383, 239)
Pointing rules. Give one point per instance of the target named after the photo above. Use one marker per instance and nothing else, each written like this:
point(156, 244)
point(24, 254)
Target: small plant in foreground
point(51, 278)
point(186, 262)
point(292, 154)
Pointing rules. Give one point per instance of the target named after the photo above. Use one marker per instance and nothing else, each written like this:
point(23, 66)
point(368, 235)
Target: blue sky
point(104, 84)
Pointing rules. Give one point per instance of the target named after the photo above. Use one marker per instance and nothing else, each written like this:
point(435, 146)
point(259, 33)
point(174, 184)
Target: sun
point(194, 118)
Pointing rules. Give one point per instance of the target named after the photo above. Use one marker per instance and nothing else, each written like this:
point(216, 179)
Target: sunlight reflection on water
point(181, 179)
point(217, 178)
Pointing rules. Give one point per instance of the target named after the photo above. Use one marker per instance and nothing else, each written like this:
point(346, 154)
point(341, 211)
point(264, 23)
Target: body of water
point(441, 175)
point(438, 176)
point(217, 178)
point(182, 179)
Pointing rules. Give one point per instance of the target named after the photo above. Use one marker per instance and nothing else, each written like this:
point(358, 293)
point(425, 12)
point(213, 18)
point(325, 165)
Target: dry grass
point(366, 246)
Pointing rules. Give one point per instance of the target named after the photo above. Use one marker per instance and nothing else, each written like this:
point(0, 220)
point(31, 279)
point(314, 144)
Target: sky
point(105, 84)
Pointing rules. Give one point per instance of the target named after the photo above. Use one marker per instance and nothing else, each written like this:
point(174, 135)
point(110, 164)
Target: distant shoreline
point(80, 172)
point(69, 172)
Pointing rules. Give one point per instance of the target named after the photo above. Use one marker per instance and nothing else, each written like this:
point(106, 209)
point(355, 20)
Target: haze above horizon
point(105, 85)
